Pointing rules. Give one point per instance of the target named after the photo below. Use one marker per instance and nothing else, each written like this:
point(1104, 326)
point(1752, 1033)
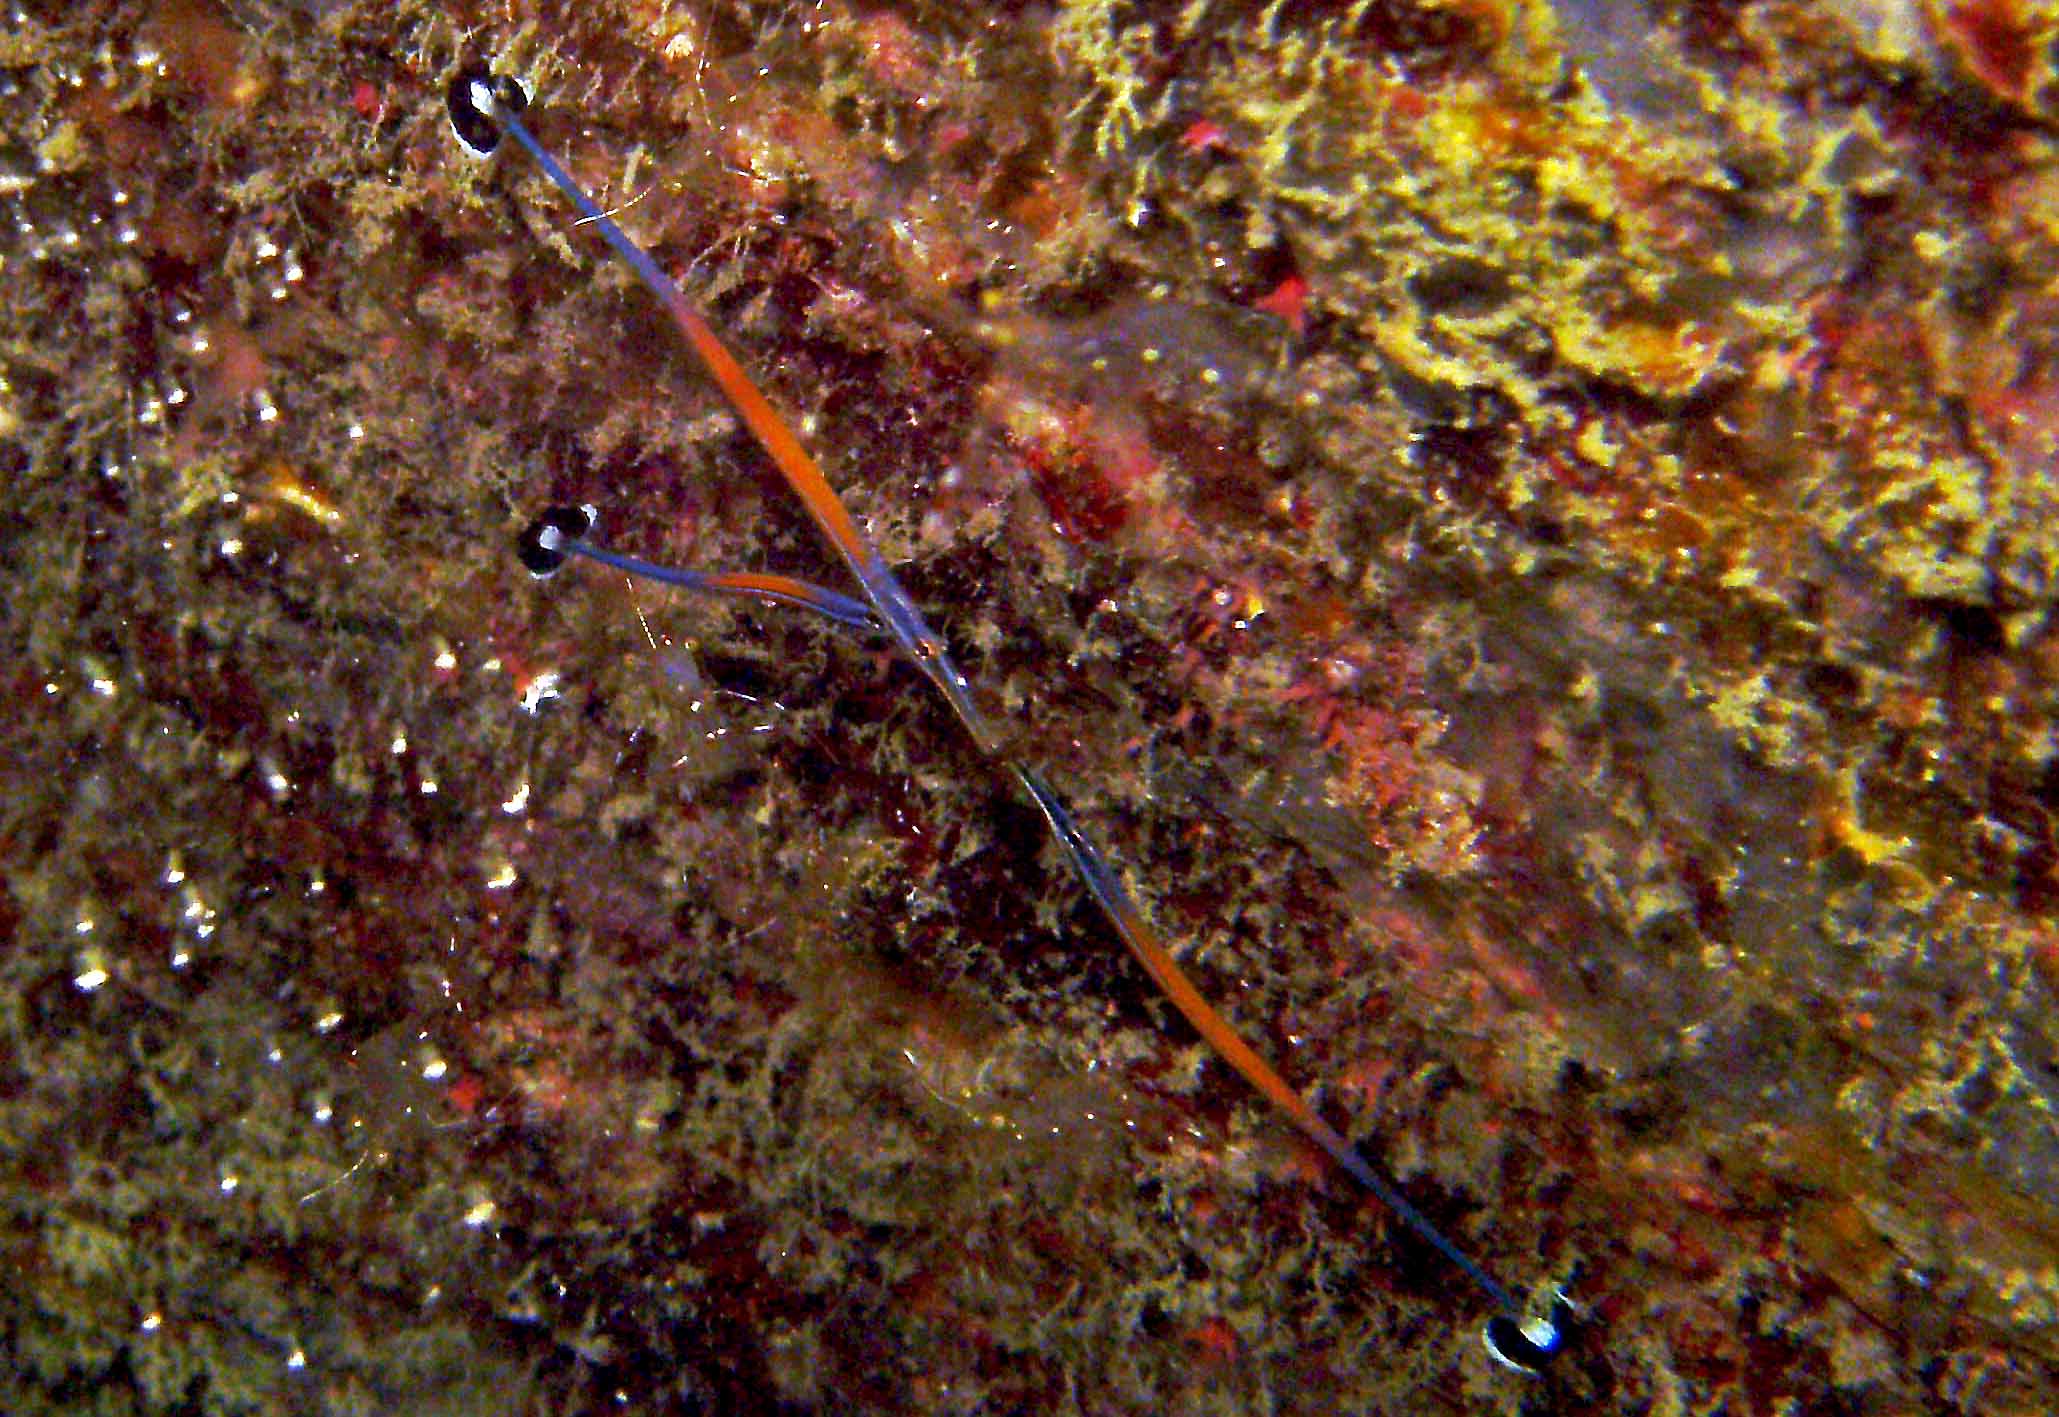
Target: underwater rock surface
point(1528, 530)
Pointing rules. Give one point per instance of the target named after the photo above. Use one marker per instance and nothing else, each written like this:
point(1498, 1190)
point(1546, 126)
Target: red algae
point(1997, 41)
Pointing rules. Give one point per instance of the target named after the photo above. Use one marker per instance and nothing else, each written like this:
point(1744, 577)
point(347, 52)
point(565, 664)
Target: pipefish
point(482, 108)
point(567, 531)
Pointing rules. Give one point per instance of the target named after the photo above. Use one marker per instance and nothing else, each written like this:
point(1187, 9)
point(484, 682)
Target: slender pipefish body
point(483, 107)
point(495, 107)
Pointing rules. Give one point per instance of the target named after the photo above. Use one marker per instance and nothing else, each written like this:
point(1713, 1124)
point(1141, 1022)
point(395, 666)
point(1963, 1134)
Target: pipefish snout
point(483, 108)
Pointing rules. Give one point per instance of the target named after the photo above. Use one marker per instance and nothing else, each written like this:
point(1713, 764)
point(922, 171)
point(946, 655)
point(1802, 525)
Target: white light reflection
point(539, 688)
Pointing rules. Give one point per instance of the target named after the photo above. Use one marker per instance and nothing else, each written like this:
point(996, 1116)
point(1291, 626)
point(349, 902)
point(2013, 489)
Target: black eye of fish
point(1528, 1346)
point(542, 546)
point(474, 93)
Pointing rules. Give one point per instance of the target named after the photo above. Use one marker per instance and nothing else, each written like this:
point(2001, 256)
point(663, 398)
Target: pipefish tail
point(482, 108)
